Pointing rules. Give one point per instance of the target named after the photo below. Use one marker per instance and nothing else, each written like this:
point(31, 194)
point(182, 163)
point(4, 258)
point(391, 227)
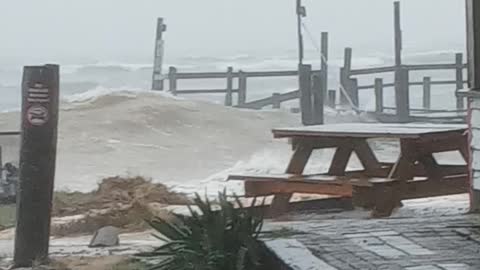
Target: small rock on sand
point(105, 237)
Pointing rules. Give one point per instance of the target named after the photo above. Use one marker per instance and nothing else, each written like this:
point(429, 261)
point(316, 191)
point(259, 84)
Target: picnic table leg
point(296, 166)
point(340, 159)
point(362, 195)
point(367, 157)
point(431, 166)
point(464, 151)
point(388, 195)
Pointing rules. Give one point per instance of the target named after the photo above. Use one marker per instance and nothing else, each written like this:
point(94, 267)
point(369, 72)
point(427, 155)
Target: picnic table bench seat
point(347, 186)
point(271, 184)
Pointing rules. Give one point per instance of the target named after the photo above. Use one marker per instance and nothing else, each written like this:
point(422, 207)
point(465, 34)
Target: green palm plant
point(210, 239)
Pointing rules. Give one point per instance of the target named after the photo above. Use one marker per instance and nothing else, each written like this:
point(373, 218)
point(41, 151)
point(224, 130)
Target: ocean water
point(111, 124)
point(78, 78)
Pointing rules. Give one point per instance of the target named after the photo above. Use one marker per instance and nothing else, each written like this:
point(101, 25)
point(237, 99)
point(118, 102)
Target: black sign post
point(40, 92)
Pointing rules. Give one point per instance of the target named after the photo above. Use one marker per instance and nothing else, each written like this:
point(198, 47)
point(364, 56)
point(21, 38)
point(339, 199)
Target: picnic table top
point(369, 130)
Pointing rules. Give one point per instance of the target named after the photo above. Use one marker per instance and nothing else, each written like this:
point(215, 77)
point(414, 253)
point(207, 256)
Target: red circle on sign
point(37, 115)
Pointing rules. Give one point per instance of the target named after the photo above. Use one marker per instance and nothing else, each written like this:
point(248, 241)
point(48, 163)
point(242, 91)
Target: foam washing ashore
point(132, 132)
point(185, 144)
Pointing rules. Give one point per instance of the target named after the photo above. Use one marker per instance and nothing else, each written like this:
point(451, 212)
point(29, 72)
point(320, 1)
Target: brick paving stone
point(406, 245)
point(421, 243)
point(383, 233)
point(423, 267)
point(454, 266)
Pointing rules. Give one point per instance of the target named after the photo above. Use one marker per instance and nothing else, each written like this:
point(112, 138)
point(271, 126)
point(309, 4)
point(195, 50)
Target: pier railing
point(241, 86)
point(401, 84)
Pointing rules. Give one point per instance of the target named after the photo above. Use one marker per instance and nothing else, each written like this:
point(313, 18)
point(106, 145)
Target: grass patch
point(7, 216)
point(130, 265)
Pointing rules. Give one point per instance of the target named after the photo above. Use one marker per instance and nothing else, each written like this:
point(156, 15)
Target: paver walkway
point(413, 242)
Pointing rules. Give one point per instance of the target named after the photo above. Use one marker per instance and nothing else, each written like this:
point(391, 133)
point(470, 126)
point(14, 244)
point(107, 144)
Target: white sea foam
point(187, 144)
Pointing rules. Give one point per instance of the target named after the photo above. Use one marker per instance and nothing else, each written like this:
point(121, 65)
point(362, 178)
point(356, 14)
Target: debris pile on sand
point(119, 202)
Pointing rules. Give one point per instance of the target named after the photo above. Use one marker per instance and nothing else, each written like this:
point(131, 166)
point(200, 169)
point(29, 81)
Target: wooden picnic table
point(415, 174)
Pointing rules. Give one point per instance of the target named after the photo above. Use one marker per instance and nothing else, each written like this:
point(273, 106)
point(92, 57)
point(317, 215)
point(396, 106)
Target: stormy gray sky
point(123, 30)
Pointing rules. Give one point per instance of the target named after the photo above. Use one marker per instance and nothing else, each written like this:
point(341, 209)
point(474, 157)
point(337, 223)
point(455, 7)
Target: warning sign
point(37, 115)
point(38, 94)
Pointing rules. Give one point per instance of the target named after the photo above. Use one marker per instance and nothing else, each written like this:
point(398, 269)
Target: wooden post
point(276, 101)
point(318, 100)
point(172, 80)
point(228, 95)
point(353, 90)
point(1, 160)
point(427, 85)
point(324, 61)
point(242, 88)
point(473, 45)
point(40, 94)
point(332, 98)
point(473, 50)
point(378, 95)
point(459, 79)
point(347, 60)
point(401, 74)
point(157, 78)
point(343, 87)
point(345, 76)
point(398, 35)
point(301, 12)
point(305, 83)
point(402, 95)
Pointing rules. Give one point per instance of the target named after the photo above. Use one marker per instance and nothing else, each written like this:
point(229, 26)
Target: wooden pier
point(403, 111)
point(313, 92)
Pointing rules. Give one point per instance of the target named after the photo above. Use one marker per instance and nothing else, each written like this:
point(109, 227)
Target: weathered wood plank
point(353, 91)
point(203, 91)
point(473, 44)
point(345, 74)
point(340, 159)
point(278, 189)
point(276, 101)
point(419, 188)
point(398, 35)
point(427, 86)
point(296, 166)
point(378, 95)
point(367, 157)
point(249, 74)
point(324, 64)
point(318, 100)
point(431, 67)
point(450, 185)
point(305, 84)
point(375, 70)
point(459, 79)
point(157, 83)
point(258, 104)
point(332, 98)
point(431, 167)
point(369, 130)
point(355, 178)
point(402, 95)
point(228, 95)
point(242, 88)
point(172, 80)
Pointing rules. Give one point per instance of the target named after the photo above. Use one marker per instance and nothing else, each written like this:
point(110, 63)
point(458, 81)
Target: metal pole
point(301, 12)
